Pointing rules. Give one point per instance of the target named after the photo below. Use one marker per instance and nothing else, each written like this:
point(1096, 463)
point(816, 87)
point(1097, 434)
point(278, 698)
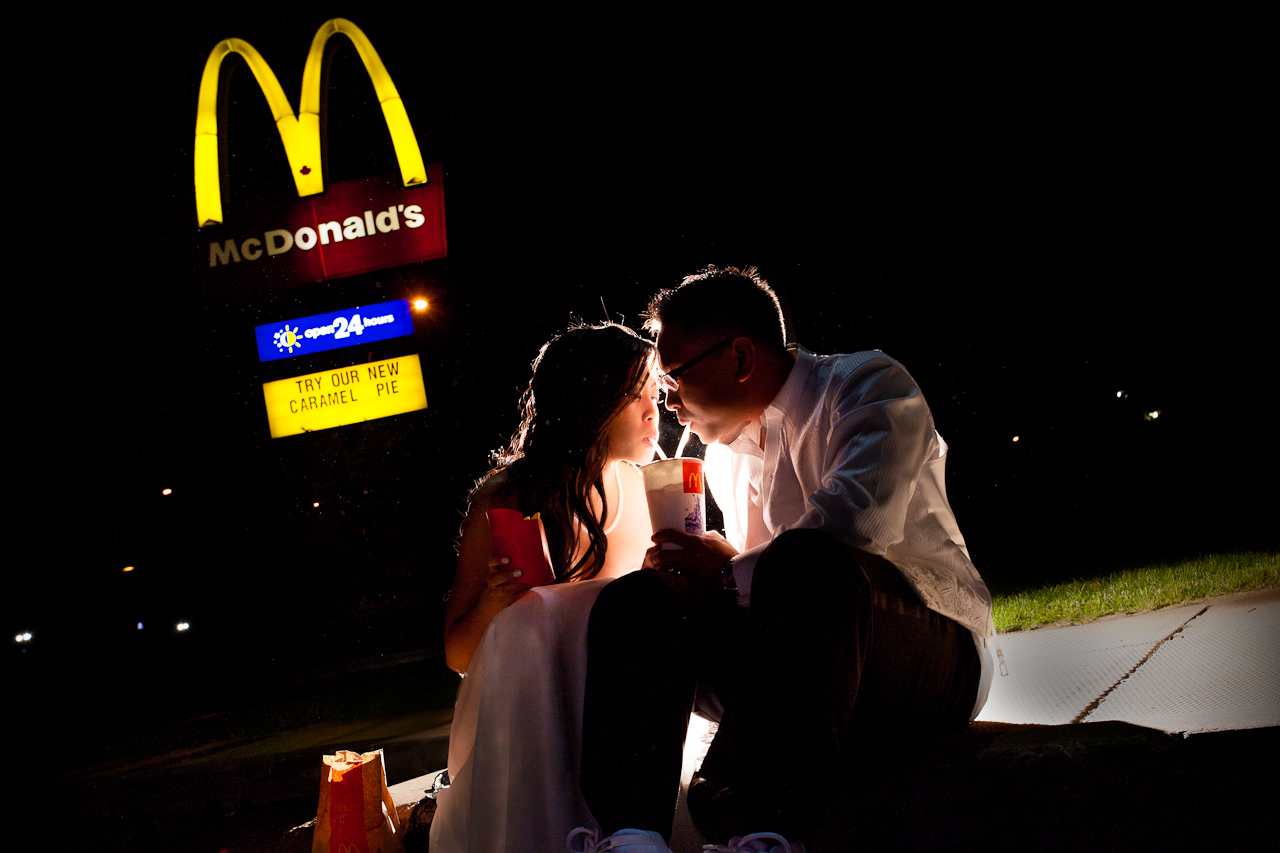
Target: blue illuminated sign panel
point(335, 330)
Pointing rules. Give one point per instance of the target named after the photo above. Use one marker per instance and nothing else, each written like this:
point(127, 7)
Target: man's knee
point(642, 597)
point(817, 547)
point(819, 562)
point(813, 564)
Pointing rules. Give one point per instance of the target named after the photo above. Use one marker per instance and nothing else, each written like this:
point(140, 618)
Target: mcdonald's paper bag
point(356, 814)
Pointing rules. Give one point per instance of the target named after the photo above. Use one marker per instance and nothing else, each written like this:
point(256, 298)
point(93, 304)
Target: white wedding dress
point(515, 741)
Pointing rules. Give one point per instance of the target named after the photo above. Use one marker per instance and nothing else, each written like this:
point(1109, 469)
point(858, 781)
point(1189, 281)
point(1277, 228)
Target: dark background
point(1056, 229)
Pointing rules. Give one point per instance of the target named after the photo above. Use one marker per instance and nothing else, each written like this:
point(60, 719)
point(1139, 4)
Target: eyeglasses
point(670, 381)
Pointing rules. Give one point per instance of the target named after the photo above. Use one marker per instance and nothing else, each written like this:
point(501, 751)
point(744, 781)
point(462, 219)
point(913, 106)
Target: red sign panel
point(353, 227)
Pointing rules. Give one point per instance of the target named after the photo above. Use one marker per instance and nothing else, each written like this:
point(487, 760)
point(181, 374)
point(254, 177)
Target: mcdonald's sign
point(341, 230)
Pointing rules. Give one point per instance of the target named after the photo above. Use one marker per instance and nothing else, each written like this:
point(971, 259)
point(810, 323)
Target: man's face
point(708, 395)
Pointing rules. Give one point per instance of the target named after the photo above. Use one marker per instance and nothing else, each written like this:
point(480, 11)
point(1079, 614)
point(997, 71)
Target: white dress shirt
point(849, 448)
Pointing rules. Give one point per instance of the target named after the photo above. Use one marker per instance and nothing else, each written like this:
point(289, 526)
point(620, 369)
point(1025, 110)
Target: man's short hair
point(727, 300)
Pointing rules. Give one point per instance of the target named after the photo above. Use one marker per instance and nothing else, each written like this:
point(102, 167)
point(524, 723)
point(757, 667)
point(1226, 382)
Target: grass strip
point(1132, 590)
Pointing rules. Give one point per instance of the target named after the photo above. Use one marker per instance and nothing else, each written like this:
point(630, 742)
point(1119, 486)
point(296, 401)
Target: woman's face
point(634, 432)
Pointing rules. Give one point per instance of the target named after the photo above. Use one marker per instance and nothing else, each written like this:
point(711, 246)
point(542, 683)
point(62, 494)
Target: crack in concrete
point(1093, 706)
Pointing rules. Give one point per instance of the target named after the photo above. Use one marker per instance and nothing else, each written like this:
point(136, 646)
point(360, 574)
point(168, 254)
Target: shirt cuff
point(744, 569)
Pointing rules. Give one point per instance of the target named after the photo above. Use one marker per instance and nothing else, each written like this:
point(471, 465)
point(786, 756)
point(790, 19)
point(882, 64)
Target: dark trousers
point(835, 649)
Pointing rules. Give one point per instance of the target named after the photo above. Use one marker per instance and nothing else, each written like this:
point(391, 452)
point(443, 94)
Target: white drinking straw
point(684, 439)
point(658, 447)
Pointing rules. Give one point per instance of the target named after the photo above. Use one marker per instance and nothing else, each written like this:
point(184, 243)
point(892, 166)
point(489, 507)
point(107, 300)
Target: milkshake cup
point(676, 498)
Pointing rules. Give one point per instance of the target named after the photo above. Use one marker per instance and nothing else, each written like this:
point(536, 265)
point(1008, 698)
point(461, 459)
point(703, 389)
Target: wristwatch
point(727, 580)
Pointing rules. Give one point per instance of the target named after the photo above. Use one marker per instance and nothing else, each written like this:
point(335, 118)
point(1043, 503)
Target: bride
point(590, 416)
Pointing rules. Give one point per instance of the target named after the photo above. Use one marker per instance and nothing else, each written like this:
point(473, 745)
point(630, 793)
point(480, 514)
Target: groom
point(839, 602)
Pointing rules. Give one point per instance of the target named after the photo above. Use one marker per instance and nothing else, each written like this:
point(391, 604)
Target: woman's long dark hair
point(581, 381)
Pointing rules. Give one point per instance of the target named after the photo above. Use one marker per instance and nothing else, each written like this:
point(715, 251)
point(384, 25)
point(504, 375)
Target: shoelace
point(593, 843)
point(590, 840)
point(748, 844)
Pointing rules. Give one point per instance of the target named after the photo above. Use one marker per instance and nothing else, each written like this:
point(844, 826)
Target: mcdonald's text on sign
point(347, 395)
point(355, 227)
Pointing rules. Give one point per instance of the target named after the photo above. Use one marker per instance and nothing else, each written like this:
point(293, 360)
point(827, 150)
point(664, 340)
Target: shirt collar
point(790, 396)
point(747, 441)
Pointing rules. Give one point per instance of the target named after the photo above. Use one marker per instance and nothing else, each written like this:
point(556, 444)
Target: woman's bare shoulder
point(497, 491)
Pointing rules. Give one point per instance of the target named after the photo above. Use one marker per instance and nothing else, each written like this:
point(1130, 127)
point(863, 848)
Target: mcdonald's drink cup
point(676, 497)
point(524, 542)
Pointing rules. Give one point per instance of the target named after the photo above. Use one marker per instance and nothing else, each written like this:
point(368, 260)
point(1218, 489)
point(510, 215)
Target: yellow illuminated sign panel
point(348, 395)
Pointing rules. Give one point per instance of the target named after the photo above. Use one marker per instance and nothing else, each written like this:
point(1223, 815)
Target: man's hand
point(700, 558)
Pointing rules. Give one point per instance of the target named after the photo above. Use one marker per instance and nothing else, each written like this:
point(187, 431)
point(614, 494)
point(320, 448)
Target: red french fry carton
point(524, 542)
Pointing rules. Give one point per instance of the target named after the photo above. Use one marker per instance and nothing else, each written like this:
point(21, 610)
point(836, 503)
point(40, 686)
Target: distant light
point(1122, 394)
point(317, 503)
point(139, 626)
point(1016, 437)
point(420, 304)
point(166, 491)
point(1152, 415)
point(182, 626)
point(127, 569)
point(24, 637)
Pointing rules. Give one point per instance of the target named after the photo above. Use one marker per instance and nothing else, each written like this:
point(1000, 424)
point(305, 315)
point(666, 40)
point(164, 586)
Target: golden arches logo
point(692, 478)
point(301, 133)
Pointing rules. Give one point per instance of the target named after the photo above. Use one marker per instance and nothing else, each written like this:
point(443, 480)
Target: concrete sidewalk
point(1073, 747)
point(1205, 667)
point(1155, 730)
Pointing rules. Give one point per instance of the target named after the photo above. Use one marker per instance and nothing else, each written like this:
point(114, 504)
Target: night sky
point(1056, 235)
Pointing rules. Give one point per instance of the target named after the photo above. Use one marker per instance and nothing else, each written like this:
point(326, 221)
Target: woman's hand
point(484, 583)
point(504, 585)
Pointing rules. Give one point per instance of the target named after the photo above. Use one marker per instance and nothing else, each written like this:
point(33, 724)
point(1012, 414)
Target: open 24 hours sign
point(347, 395)
point(334, 330)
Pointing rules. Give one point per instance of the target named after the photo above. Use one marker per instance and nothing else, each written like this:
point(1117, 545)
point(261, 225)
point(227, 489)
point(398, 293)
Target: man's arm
point(881, 434)
point(876, 435)
point(872, 438)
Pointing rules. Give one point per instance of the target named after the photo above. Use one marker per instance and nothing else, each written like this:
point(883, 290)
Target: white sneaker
point(756, 842)
point(622, 841)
